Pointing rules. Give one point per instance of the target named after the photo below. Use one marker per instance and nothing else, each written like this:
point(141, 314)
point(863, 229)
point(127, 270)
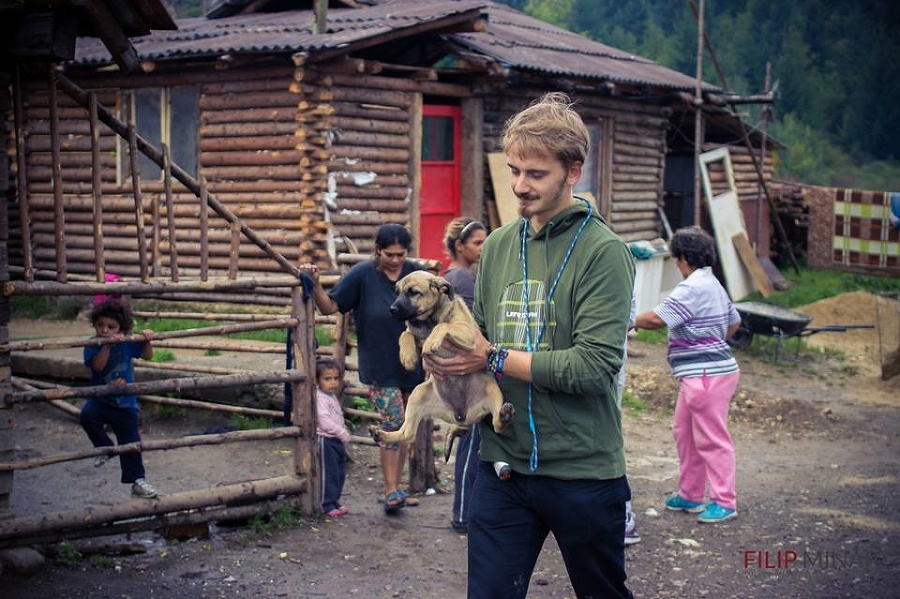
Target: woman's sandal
point(393, 501)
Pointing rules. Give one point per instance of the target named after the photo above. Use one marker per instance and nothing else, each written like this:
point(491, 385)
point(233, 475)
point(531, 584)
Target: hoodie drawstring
point(532, 347)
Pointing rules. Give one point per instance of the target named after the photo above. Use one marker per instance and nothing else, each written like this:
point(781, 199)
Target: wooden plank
point(748, 257)
point(778, 280)
point(506, 201)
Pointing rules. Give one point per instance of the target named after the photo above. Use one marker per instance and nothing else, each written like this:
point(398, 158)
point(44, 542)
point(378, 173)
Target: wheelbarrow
point(760, 318)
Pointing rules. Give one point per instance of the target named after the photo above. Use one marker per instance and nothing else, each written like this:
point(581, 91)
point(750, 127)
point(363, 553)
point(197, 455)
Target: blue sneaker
point(716, 513)
point(679, 504)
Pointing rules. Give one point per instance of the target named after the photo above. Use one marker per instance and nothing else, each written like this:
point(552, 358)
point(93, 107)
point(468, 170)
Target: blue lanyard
point(532, 347)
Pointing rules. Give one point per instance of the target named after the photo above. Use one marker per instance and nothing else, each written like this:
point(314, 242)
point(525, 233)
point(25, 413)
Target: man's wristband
point(496, 359)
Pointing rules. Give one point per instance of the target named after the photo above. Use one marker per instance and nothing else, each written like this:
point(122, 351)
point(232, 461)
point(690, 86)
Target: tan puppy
point(432, 313)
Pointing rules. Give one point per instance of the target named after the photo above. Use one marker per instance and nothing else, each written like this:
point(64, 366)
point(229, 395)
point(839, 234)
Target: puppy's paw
point(504, 417)
point(433, 344)
point(409, 360)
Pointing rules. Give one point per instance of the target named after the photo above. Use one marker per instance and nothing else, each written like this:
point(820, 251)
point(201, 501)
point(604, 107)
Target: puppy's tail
point(375, 432)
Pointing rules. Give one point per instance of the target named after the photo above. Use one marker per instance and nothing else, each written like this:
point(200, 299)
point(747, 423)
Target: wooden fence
point(194, 505)
point(304, 484)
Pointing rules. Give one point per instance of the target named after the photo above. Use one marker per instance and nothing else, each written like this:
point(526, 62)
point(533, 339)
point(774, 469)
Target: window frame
point(597, 176)
point(178, 126)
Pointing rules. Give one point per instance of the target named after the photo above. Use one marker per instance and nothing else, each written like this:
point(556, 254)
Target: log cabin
point(311, 125)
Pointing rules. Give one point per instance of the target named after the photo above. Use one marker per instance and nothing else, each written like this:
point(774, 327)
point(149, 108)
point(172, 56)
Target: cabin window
point(596, 174)
point(437, 138)
point(168, 116)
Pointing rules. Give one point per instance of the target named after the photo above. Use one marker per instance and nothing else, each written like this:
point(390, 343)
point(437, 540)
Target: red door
point(439, 203)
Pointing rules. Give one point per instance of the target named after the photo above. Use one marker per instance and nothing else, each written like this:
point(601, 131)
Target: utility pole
point(698, 116)
point(320, 11)
point(766, 117)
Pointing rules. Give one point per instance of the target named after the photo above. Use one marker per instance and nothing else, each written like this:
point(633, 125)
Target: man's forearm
point(518, 365)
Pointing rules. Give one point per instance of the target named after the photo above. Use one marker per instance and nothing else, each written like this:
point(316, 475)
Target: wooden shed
point(313, 133)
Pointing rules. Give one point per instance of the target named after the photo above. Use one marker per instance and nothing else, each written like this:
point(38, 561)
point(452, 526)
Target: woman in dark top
point(368, 290)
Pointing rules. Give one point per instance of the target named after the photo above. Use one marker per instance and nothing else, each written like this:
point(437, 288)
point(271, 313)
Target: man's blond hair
point(549, 126)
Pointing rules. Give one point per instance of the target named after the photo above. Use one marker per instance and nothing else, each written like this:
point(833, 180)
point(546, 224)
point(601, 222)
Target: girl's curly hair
point(117, 310)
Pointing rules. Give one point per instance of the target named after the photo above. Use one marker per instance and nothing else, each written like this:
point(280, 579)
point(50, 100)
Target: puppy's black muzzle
point(402, 309)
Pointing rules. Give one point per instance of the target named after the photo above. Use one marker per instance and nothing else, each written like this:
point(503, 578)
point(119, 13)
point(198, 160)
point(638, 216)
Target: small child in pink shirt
point(332, 434)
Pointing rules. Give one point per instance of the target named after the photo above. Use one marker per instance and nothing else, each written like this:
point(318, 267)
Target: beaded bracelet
point(496, 359)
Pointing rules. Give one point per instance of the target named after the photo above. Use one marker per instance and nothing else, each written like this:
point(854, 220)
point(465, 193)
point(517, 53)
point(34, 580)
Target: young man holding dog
point(552, 298)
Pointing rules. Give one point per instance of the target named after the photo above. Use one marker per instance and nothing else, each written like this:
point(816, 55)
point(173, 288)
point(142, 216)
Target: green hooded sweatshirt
point(577, 424)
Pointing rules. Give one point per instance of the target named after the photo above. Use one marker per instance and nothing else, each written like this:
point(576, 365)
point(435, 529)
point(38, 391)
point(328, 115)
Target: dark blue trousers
point(334, 472)
point(465, 473)
point(511, 520)
point(98, 412)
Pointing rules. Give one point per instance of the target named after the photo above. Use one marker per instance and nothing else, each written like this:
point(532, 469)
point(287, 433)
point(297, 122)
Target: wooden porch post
point(7, 430)
point(59, 217)
point(306, 449)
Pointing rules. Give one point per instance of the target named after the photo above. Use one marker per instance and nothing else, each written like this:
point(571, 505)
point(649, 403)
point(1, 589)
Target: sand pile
point(876, 347)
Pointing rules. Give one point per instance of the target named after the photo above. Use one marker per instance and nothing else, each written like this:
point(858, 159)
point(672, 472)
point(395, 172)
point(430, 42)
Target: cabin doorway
point(441, 166)
point(678, 186)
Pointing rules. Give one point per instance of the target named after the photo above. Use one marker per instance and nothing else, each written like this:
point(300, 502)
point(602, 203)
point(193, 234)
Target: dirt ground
point(818, 482)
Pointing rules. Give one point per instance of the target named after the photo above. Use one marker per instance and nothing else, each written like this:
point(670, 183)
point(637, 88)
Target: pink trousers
point(705, 448)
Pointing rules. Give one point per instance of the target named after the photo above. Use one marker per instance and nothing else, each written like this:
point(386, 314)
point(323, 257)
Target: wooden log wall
point(309, 159)
point(638, 161)
point(248, 153)
point(638, 155)
point(359, 140)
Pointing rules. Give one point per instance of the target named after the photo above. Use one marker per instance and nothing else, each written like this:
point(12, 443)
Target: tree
point(834, 61)
point(557, 12)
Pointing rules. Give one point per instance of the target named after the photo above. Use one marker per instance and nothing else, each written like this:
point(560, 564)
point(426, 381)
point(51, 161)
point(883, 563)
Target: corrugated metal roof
point(227, 8)
point(518, 41)
point(511, 38)
point(289, 31)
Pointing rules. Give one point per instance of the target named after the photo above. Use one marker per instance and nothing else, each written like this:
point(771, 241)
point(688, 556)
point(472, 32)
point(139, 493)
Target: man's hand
point(462, 361)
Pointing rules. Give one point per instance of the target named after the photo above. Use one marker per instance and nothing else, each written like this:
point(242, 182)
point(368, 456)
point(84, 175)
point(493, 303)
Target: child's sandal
point(393, 501)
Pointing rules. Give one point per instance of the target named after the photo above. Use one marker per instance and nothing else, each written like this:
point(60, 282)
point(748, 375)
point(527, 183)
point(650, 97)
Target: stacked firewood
point(794, 215)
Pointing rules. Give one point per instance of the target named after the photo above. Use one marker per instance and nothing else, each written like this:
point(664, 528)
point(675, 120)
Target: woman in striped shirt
point(700, 318)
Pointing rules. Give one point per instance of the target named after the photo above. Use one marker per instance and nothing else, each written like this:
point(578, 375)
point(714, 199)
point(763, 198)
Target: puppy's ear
point(442, 285)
